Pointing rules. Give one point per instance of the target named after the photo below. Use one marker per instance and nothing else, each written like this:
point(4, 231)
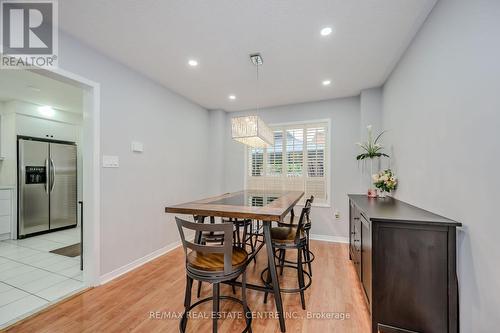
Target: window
point(316, 144)
point(294, 151)
point(275, 155)
point(256, 156)
point(297, 161)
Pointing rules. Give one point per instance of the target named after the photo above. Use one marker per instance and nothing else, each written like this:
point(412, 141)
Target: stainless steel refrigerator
point(47, 186)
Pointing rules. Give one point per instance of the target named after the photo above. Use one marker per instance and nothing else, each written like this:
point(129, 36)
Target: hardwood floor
point(139, 300)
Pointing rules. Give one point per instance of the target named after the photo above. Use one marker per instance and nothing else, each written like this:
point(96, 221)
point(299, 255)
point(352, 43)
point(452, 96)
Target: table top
point(259, 205)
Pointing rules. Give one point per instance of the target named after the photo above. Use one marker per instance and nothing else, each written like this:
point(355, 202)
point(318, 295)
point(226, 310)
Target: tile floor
point(32, 277)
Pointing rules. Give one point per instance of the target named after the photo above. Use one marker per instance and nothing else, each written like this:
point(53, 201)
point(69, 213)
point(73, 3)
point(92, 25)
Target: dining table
point(261, 205)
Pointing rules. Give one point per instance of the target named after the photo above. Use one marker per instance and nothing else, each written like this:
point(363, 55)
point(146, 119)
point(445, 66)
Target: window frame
point(328, 160)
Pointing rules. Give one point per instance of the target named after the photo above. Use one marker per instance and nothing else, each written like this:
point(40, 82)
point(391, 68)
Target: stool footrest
point(289, 290)
point(248, 313)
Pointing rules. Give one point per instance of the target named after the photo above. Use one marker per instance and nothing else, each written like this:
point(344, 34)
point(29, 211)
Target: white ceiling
point(157, 37)
point(37, 89)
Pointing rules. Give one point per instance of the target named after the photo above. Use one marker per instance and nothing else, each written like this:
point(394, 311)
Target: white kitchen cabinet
point(6, 212)
point(46, 129)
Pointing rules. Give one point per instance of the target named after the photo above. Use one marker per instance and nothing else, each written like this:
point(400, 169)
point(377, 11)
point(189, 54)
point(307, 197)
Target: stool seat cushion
point(215, 261)
point(285, 234)
point(287, 222)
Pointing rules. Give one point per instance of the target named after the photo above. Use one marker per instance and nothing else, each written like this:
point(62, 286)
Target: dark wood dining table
point(265, 206)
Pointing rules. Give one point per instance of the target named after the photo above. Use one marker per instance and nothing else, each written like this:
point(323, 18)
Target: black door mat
point(68, 251)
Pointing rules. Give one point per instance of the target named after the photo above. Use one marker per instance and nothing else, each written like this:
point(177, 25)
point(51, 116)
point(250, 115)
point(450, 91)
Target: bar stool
point(210, 237)
point(308, 255)
point(213, 264)
point(245, 225)
point(214, 237)
point(291, 237)
point(256, 233)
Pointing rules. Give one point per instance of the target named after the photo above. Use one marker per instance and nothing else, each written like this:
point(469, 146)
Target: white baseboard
point(5, 236)
point(105, 278)
point(333, 239)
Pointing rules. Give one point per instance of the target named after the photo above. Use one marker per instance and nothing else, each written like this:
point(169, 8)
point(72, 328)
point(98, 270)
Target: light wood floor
point(126, 304)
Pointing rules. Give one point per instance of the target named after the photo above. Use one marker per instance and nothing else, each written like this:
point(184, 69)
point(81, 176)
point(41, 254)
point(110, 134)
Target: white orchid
point(371, 147)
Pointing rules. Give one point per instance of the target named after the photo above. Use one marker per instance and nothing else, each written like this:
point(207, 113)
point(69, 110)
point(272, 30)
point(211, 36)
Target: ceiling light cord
point(257, 60)
point(257, 88)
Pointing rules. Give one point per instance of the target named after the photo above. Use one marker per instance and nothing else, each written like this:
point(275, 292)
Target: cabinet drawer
point(5, 207)
point(5, 195)
point(4, 224)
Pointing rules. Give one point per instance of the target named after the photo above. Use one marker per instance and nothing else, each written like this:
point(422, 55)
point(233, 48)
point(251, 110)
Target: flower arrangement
point(385, 180)
point(371, 147)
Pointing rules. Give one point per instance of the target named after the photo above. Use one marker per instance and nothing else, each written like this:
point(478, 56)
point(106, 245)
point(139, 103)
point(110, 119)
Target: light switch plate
point(137, 147)
point(109, 161)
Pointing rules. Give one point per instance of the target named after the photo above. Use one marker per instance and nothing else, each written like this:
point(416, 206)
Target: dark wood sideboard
point(405, 258)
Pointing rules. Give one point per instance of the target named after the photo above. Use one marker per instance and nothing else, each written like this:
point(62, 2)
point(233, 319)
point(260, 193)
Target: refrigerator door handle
point(53, 174)
point(47, 176)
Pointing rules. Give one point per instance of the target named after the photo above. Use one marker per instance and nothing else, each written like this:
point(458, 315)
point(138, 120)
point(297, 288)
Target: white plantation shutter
point(256, 161)
point(297, 161)
point(294, 143)
point(316, 150)
point(275, 155)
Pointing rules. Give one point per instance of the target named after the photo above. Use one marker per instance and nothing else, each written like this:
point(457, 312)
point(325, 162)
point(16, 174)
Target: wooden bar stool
point(239, 239)
point(210, 237)
point(308, 254)
point(292, 237)
point(213, 264)
point(256, 233)
point(218, 237)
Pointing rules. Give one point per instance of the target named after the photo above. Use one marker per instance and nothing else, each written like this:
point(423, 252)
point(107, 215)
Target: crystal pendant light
point(251, 130)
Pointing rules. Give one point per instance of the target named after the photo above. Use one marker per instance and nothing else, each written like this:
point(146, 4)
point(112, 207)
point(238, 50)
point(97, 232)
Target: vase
point(383, 194)
point(374, 168)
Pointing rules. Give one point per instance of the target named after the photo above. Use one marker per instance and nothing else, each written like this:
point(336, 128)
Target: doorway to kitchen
point(48, 183)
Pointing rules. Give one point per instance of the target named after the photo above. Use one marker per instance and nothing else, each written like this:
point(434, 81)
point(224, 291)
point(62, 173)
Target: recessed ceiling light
point(46, 111)
point(326, 82)
point(192, 63)
point(326, 31)
point(232, 97)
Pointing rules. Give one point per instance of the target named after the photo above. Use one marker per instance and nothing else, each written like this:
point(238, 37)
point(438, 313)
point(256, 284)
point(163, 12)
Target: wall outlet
point(336, 214)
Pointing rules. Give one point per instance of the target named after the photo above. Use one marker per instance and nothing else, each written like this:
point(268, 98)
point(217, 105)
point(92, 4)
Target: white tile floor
point(31, 276)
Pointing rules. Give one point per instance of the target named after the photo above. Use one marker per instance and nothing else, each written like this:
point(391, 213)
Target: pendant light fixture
point(251, 130)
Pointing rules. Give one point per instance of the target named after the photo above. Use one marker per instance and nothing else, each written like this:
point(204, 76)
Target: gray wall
point(371, 110)
point(442, 107)
point(345, 123)
point(217, 141)
point(371, 114)
point(173, 131)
